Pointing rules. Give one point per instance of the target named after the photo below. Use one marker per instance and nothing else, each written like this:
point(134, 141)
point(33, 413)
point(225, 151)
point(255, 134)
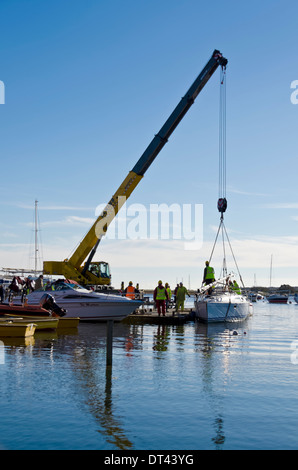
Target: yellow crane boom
point(97, 273)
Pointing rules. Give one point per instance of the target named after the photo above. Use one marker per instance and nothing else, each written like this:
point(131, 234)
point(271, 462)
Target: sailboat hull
point(223, 308)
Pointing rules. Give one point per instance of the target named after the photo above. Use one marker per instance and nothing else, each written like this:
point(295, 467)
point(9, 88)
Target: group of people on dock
point(163, 296)
point(19, 286)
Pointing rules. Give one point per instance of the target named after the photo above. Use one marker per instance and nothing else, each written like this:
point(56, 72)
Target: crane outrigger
point(98, 273)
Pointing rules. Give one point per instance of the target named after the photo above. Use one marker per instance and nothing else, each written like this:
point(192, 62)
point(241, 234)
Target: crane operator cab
point(101, 270)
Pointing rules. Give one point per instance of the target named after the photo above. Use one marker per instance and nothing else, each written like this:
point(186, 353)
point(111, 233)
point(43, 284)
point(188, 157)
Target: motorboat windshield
point(63, 286)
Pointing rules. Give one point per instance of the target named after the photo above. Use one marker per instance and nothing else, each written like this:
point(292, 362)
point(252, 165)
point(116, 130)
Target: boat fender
point(235, 333)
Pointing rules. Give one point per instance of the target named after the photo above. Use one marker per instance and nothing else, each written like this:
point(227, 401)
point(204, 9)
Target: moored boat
point(16, 330)
point(46, 322)
point(41, 323)
point(69, 322)
point(21, 309)
point(87, 305)
point(278, 299)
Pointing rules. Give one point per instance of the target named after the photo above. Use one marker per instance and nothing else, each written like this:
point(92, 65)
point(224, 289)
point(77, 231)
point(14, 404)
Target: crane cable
point(222, 183)
point(222, 135)
point(222, 201)
point(222, 180)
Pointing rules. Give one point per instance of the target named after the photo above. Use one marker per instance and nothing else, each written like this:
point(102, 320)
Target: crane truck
point(80, 267)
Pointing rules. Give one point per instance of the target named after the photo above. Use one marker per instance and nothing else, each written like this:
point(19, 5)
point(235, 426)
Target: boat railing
point(222, 283)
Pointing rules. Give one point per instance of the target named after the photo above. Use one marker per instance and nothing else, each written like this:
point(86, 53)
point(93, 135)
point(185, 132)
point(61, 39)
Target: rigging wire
point(224, 264)
point(240, 277)
point(215, 241)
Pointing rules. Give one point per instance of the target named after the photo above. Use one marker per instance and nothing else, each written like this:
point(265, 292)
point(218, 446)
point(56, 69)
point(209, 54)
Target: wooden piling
point(110, 326)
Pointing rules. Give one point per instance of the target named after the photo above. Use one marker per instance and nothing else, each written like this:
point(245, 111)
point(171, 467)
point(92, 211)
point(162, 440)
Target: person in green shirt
point(209, 276)
point(168, 289)
point(236, 288)
point(180, 297)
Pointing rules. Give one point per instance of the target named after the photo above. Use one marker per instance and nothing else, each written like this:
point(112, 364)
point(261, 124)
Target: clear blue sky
point(88, 84)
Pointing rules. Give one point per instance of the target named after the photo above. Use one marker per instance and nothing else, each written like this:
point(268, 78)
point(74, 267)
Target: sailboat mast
point(36, 237)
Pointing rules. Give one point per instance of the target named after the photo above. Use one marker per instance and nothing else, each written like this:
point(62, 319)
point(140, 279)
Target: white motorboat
point(222, 305)
point(88, 305)
point(255, 296)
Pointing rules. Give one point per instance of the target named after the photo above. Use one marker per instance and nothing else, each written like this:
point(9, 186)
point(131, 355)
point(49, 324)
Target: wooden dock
point(151, 316)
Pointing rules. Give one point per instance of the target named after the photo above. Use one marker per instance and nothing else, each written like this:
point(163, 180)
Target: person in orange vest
point(130, 291)
point(160, 296)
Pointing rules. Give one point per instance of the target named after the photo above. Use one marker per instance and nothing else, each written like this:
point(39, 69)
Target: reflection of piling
point(110, 325)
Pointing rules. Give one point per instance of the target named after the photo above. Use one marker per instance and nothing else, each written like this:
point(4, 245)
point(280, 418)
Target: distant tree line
point(283, 288)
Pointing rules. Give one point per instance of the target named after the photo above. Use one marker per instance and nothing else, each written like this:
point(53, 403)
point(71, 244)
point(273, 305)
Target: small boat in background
point(278, 299)
point(255, 296)
point(252, 297)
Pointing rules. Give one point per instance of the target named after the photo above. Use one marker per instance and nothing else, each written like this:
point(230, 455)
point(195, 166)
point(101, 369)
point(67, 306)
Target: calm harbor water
point(171, 387)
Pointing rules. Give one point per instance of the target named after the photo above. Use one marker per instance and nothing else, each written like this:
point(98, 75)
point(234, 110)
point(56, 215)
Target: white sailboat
point(223, 305)
point(220, 301)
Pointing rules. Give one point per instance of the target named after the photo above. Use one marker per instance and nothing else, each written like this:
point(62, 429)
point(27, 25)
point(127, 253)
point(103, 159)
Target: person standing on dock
point(175, 293)
point(39, 283)
point(180, 297)
point(160, 296)
point(130, 291)
point(168, 289)
point(2, 293)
